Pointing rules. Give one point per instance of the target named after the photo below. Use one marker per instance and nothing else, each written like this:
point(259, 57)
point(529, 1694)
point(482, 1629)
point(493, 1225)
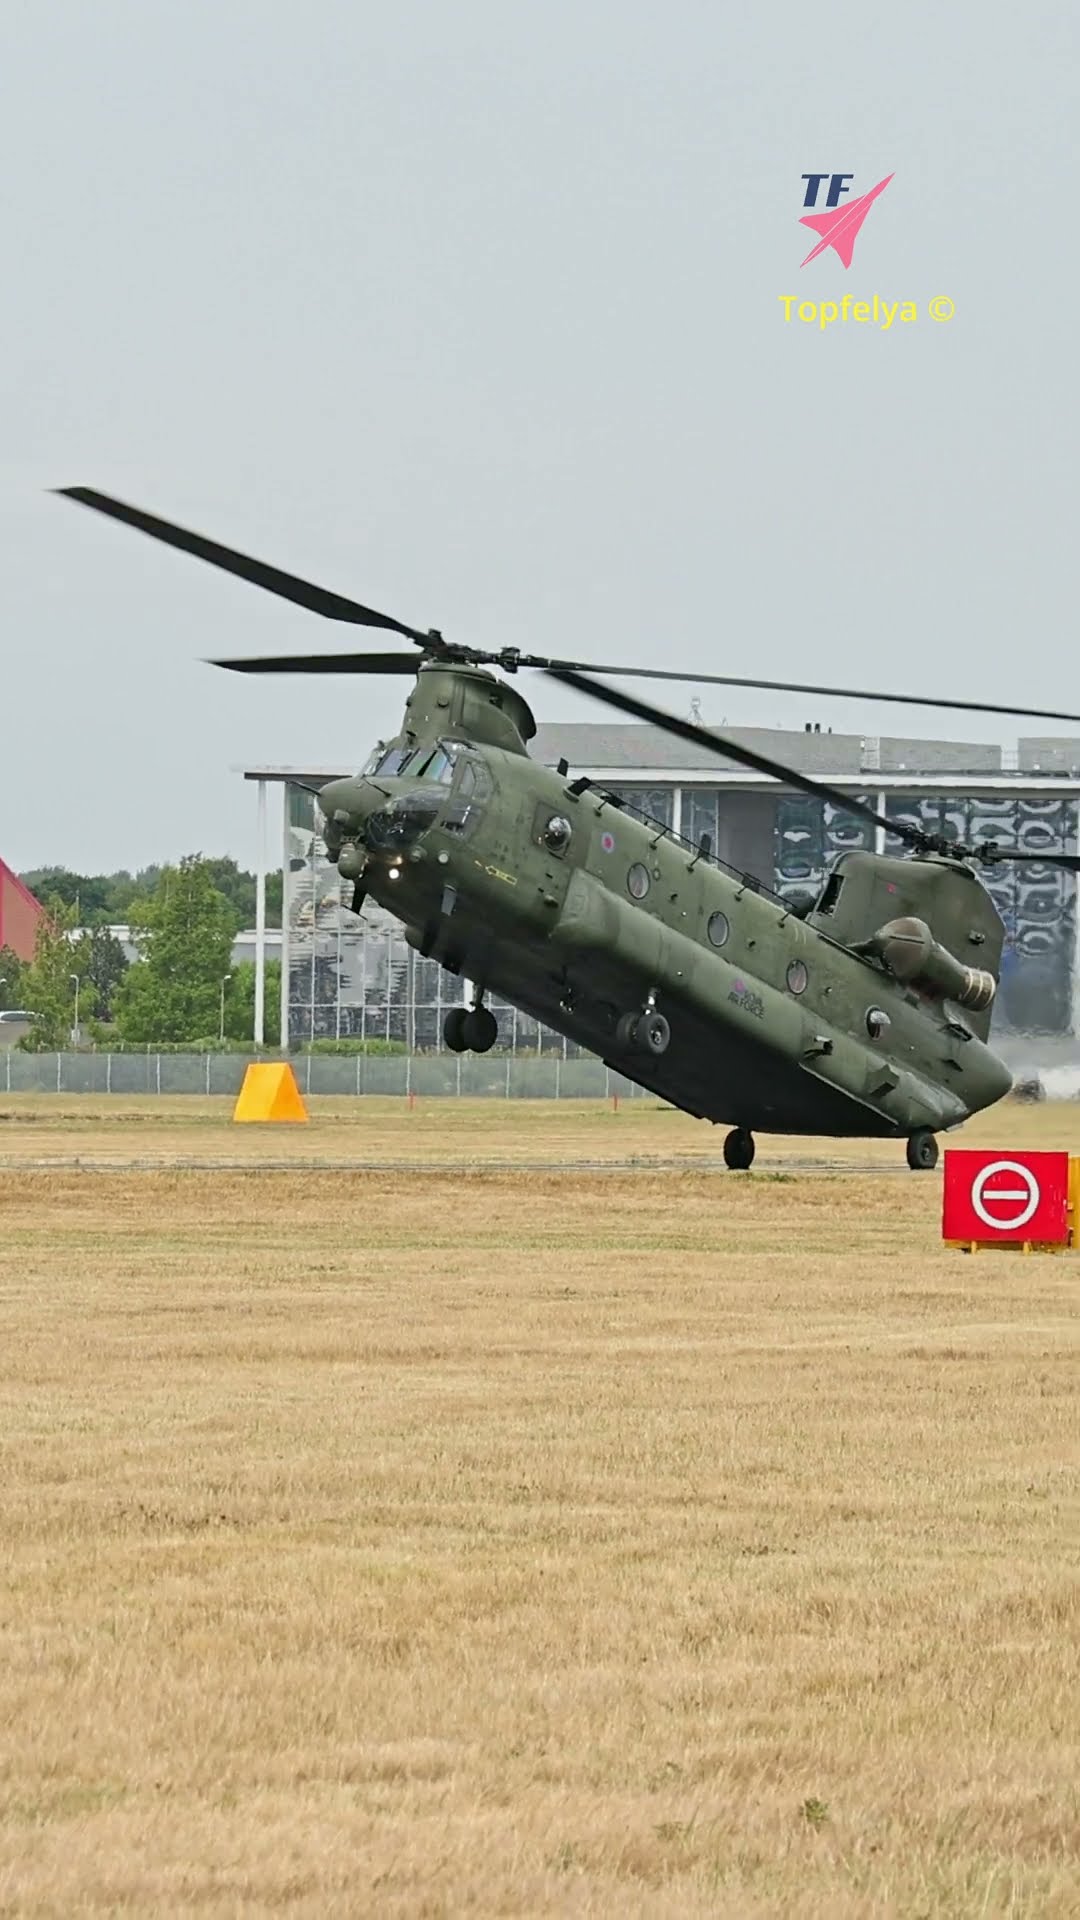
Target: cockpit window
point(393, 762)
point(437, 766)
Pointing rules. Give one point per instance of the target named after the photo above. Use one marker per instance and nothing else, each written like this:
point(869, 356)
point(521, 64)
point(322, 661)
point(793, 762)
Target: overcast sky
point(471, 311)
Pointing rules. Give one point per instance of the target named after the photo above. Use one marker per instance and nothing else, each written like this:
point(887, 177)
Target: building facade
point(350, 976)
point(20, 914)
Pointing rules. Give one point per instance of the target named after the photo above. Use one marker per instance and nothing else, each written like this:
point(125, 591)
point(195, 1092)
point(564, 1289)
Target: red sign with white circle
point(1006, 1196)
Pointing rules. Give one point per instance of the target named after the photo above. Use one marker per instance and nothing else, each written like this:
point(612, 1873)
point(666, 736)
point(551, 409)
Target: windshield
point(437, 766)
point(390, 760)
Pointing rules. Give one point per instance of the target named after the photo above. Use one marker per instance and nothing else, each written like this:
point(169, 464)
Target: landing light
point(394, 874)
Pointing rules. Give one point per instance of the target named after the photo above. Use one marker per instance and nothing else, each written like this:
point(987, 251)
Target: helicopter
point(863, 1013)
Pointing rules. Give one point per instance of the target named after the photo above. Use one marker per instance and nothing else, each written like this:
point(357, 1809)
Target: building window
point(797, 977)
point(637, 881)
point(719, 928)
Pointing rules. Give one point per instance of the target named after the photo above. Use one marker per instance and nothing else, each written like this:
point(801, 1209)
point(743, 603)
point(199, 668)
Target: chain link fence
point(487, 1076)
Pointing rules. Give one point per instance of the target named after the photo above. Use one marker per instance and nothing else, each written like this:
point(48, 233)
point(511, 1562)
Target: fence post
point(157, 1074)
point(108, 1073)
point(307, 1089)
point(508, 1076)
point(408, 1075)
point(208, 1073)
point(558, 1076)
point(358, 1076)
point(7, 1057)
point(458, 1076)
point(59, 1073)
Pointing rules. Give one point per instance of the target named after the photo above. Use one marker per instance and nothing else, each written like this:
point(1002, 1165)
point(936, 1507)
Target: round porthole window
point(557, 833)
point(797, 977)
point(637, 881)
point(719, 928)
point(877, 1023)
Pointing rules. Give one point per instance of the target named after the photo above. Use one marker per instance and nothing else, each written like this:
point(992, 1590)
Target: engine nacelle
point(909, 951)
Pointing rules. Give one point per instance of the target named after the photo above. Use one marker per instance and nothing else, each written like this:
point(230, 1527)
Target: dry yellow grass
point(522, 1543)
point(167, 1130)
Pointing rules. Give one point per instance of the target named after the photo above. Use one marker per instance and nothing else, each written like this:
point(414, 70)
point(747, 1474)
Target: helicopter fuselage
point(547, 892)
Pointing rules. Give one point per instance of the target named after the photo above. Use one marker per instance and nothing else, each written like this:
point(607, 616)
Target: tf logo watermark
point(840, 229)
point(837, 219)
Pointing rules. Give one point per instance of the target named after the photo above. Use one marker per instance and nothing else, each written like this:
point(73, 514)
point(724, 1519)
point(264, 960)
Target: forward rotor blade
point(795, 686)
point(334, 606)
point(404, 663)
point(728, 749)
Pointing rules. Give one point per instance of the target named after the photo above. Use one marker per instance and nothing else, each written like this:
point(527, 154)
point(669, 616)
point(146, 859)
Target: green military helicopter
point(866, 1013)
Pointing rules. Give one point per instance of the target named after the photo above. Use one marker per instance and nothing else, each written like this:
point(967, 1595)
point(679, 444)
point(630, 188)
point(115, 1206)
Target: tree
point(85, 894)
point(240, 1003)
point(110, 899)
point(106, 965)
point(48, 983)
point(184, 933)
point(12, 972)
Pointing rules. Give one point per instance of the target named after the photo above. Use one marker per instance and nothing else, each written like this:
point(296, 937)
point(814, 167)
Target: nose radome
point(355, 799)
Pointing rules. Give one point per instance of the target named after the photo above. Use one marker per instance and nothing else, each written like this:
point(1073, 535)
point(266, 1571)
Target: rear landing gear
point(646, 1032)
point(922, 1151)
point(739, 1149)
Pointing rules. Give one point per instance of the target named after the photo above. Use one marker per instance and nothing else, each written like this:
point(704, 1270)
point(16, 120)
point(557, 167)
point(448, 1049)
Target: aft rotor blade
point(993, 856)
point(796, 686)
point(405, 663)
point(334, 606)
point(728, 749)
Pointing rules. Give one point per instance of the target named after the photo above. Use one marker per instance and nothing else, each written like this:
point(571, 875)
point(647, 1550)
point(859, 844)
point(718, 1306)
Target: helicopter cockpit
point(436, 769)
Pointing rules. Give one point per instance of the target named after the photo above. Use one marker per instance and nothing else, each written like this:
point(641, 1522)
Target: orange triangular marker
point(270, 1092)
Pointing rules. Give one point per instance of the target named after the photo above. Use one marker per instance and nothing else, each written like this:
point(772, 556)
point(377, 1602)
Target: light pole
point(75, 1030)
point(221, 1022)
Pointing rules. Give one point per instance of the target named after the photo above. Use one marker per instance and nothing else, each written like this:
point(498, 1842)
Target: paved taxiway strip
point(180, 1163)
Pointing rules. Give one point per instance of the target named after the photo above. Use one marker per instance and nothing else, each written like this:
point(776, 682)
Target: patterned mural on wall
point(808, 836)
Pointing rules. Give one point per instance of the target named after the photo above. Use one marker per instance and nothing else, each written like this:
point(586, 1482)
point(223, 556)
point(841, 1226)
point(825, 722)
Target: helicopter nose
point(344, 801)
point(346, 807)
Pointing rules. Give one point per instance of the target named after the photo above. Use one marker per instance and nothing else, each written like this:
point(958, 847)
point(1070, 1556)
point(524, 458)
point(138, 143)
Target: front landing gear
point(922, 1151)
point(739, 1149)
point(470, 1030)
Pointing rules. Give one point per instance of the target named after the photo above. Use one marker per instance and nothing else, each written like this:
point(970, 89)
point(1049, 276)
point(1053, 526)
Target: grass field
point(597, 1541)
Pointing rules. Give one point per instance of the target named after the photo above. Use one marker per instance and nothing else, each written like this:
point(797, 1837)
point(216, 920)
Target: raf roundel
point(607, 842)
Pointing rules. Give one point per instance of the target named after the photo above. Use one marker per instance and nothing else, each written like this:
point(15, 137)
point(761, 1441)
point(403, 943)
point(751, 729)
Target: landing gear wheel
point(922, 1151)
point(645, 1032)
point(481, 1030)
point(739, 1149)
point(453, 1029)
point(651, 1033)
point(624, 1031)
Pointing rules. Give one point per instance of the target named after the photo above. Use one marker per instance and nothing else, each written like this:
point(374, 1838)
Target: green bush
point(353, 1046)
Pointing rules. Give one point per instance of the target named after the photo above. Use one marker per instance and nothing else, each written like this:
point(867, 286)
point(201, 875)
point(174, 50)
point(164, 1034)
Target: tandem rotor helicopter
point(867, 1014)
